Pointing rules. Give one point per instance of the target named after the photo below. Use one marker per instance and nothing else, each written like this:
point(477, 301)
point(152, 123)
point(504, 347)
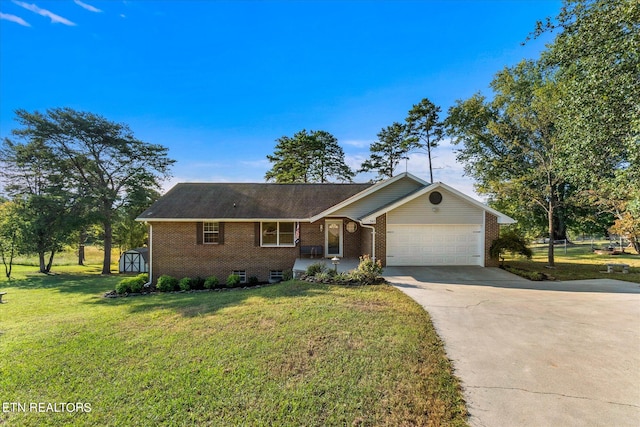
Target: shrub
point(185, 284)
point(233, 280)
point(167, 283)
point(316, 268)
point(132, 284)
point(253, 280)
point(211, 282)
point(123, 287)
point(287, 275)
point(344, 279)
point(137, 284)
point(368, 271)
point(323, 276)
point(509, 241)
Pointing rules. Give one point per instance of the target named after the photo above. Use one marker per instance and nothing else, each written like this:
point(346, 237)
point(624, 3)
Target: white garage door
point(434, 245)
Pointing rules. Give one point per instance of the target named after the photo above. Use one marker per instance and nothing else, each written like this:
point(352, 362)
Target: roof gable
point(374, 197)
point(370, 217)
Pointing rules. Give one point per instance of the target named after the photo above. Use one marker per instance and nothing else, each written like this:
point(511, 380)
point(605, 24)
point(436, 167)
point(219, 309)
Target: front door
point(333, 238)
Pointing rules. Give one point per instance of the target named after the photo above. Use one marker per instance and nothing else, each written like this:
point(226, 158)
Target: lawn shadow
point(80, 283)
point(200, 303)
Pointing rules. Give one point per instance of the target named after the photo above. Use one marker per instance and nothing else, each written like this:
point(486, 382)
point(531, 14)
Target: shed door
point(132, 262)
point(425, 245)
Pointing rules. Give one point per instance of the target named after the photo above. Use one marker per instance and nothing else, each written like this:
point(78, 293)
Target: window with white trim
point(276, 275)
point(211, 232)
point(242, 274)
point(275, 233)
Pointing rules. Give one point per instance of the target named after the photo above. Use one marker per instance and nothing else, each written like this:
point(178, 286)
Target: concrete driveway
point(535, 353)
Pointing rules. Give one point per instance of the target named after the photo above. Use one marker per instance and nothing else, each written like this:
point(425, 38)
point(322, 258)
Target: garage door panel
point(434, 245)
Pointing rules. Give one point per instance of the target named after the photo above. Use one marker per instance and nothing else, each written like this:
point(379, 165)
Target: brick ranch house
point(260, 230)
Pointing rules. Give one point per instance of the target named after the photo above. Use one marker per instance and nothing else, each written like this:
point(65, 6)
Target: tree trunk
point(50, 263)
point(82, 238)
point(430, 167)
point(9, 266)
point(43, 267)
point(108, 238)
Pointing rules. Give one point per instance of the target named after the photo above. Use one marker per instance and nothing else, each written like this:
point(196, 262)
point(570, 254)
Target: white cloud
point(87, 6)
point(358, 143)
point(14, 18)
point(55, 19)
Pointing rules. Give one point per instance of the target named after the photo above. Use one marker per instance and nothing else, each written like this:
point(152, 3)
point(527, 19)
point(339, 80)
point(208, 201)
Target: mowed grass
point(579, 262)
point(289, 354)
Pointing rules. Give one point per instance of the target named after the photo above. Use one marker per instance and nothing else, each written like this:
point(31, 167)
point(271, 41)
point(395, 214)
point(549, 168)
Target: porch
point(345, 265)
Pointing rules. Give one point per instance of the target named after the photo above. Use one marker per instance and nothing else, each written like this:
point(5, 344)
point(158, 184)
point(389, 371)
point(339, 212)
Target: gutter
point(373, 239)
point(148, 284)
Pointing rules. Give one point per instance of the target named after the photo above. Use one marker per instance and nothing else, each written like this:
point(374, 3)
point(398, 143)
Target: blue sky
point(218, 81)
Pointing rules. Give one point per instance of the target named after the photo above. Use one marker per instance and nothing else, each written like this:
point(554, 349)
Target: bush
point(368, 271)
point(324, 276)
point(123, 287)
point(185, 284)
point(233, 280)
point(316, 268)
point(137, 284)
point(253, 280)
point(510, 241)
point(287, 275)
point(132, 284)
point(167, 283)
point(212, 282)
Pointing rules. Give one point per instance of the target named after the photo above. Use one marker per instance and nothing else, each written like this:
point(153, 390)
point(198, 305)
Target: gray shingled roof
point(248, 201)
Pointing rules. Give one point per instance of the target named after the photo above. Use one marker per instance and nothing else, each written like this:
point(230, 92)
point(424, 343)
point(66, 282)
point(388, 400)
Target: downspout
point(148, 284)
point(373, 239)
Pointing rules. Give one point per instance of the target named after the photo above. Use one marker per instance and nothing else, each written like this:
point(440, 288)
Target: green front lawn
point(288, 354)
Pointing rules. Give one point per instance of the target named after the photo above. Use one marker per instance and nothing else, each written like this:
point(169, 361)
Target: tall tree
point(596, 59)
point(393, 144)
point(101, 159)
point(510, 144)
point(424, 124)
point(10, 234)
point(41, 198)
point(312, 156)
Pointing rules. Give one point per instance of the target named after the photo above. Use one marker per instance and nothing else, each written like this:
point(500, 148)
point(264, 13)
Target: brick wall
point(176, 253)
point(492, 232)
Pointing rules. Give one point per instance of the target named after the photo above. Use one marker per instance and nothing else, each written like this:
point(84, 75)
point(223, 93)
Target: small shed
point(134, 261)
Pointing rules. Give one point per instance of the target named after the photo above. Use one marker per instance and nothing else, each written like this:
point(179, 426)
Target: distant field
point(24, 265)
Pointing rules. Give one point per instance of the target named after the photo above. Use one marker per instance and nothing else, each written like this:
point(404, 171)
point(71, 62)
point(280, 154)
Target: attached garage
point(437, 226)
point(434, 244)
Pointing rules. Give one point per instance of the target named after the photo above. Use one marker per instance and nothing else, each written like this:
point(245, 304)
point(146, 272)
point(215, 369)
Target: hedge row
point(168, 283)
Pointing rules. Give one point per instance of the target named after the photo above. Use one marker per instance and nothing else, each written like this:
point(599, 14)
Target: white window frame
point(278, 244)
point(242, 274)
point(213, 232)
point(276, 275)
